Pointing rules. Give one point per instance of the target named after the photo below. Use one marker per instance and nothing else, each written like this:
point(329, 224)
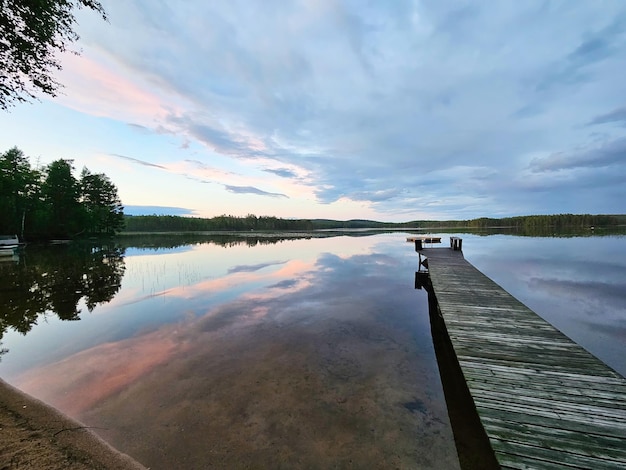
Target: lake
point(275, 353)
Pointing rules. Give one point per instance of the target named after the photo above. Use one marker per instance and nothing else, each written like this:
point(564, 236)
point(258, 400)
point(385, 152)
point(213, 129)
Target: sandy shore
point(34, 435)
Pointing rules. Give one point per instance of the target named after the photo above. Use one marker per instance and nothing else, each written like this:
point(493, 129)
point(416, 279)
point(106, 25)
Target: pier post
point(456, 243)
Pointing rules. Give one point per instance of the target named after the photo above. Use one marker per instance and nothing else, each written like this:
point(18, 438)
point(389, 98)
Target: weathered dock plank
point(543, 400)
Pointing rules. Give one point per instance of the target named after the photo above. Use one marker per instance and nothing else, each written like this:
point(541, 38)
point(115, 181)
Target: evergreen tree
point(104, 212)
point(18, 188)
point(60, 192)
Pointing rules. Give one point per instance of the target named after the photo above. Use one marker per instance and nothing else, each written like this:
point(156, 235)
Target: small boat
point(9, 240)
point(8, 245)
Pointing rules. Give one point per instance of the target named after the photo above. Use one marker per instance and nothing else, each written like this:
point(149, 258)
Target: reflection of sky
point(166, 286)
point(339, 280)
point(577, 284)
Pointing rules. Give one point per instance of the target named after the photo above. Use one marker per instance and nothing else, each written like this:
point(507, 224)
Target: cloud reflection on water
point(76, 383)
point(245, 279)
point(307, 362)
point(593, 298)
point(253, 267)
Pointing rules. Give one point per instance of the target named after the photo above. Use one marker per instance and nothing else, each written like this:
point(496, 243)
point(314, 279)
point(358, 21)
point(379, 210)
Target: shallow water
point(309, 353)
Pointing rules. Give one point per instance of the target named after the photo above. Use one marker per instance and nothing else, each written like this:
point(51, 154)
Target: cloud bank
point(449, 110)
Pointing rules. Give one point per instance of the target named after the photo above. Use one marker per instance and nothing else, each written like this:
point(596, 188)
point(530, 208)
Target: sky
point(392, 110)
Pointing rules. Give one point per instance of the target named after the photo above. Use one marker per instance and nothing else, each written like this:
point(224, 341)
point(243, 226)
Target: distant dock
point(421, 240)
point(542, 401)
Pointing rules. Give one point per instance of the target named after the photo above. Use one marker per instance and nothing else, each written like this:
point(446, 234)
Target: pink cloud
point(96, 84)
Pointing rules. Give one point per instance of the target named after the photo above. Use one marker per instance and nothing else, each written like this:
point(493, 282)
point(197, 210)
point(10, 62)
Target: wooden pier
point(543, 401)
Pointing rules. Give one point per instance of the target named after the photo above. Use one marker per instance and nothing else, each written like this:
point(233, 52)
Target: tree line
point(50, 202)
point(169, 223)
point(558, 221)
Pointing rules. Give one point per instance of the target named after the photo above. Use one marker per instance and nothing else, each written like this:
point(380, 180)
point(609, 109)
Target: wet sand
point(36, 436)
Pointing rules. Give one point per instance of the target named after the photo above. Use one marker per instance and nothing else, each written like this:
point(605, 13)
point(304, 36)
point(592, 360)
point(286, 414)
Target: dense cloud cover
point(390, 110)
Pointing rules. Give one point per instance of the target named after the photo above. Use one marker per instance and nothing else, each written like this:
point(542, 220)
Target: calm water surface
point(299, 354)
point(304, 353)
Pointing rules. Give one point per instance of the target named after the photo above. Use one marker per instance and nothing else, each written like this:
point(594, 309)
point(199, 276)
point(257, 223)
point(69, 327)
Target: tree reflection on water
point(52, 280)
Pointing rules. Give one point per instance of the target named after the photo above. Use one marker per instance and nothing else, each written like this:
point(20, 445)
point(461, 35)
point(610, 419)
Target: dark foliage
point(51, 203)
point(168, 223)
point(32, 32)
point(535, 224)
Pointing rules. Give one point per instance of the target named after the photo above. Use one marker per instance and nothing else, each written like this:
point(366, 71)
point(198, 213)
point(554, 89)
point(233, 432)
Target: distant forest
point(168, 223)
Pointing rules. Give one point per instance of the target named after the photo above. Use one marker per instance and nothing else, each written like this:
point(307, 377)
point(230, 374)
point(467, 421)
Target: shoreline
point(35, 435)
